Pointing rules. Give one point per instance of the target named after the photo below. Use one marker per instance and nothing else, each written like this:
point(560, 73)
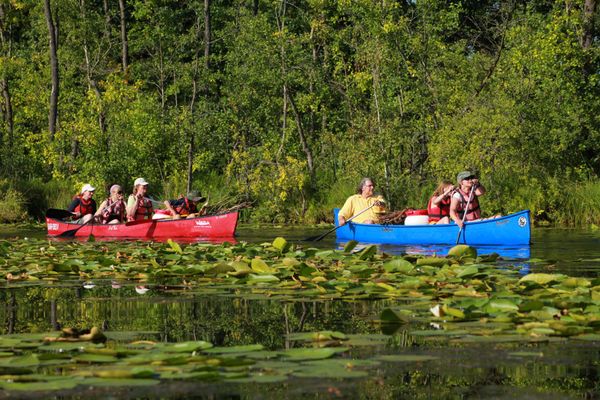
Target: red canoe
point(211, 226)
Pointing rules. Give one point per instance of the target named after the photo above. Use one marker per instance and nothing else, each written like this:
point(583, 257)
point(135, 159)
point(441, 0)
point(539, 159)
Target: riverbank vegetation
point(289, 103)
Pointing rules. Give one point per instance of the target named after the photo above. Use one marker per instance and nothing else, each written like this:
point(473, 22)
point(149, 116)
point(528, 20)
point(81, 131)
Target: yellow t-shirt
point(356, 203)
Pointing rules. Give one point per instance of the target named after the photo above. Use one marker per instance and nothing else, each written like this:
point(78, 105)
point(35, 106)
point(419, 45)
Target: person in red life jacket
point(83, 206)
point(112, 210)
point(139, 207)
point(438, 207)
point(469, 187)
point(183, 206)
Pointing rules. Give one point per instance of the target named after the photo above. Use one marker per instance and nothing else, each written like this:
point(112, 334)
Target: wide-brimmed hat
point(88, 188)
point(195, 196)
point(464, 175)
point(140, 181)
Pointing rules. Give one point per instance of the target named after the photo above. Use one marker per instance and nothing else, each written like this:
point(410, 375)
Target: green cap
point(464, 175)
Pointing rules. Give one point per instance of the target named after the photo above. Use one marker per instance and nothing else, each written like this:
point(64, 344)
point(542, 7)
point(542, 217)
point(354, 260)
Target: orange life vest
point(84, 207)
point(474, 212)
point(143, 211)
point(440, 211)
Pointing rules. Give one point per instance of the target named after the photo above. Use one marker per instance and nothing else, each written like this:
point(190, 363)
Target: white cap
point(87, 188)
point(140, 181)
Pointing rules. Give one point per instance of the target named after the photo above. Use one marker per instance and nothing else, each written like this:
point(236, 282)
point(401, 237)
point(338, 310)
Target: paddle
point(71, 232)
point(465, 212)
point(55, 213)
point(140, 221)
point(317, 238)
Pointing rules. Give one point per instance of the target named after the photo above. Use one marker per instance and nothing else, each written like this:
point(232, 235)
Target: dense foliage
point(289, 103)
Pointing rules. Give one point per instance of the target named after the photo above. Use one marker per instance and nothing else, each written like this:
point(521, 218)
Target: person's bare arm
point(454, 212)
point(170, 208)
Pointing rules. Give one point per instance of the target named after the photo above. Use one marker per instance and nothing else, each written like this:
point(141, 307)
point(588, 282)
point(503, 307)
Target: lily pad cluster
point(31, 362)
point(462, 292)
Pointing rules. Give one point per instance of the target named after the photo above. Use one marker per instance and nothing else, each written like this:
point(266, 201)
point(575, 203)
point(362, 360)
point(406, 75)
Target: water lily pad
point(302, 354)
point(405, 358)
point(350, 246)
point(62, 384)
point(398, 265)
point(235, 349)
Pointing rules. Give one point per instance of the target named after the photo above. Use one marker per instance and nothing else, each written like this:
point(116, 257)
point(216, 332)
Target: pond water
point(226, 316)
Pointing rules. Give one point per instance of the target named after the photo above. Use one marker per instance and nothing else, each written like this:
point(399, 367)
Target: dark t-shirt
point(179, 204)
point(76, 201)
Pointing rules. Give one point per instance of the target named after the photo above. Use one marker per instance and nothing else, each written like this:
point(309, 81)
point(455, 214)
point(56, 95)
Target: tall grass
point(579, 204)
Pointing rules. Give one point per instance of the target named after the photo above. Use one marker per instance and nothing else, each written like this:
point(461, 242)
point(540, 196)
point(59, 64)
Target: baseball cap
point(140, 181)
point(87, 188)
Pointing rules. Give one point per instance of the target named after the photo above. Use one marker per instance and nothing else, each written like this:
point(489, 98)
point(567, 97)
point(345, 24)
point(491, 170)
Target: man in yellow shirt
point(364, 206)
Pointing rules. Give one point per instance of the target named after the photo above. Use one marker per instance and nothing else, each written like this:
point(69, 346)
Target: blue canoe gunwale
point(512, 229)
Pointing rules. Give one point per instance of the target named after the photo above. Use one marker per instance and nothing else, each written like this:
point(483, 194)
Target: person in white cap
point(83, 206)
point(139, 207)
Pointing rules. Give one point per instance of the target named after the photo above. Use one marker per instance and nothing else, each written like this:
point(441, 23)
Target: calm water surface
point(545, 370)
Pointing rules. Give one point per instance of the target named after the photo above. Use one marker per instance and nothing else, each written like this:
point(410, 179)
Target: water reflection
point(540, 370)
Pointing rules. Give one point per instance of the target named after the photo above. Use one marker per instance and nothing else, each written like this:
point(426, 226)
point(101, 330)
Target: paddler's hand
point(176, 216)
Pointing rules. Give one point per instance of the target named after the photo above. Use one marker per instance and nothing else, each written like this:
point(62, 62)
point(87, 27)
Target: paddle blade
point(319, 237)
point(70, 233)
point(56, 213)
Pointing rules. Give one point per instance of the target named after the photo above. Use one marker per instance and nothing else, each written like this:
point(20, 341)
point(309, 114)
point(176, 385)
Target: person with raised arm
point(139, 207)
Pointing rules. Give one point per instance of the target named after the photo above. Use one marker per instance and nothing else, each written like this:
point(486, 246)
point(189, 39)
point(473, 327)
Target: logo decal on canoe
point(52, 227)
point(202, 223)
point(522, 221)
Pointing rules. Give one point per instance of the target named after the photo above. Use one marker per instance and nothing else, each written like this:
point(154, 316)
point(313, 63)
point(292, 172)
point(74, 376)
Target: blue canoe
point(513, 229)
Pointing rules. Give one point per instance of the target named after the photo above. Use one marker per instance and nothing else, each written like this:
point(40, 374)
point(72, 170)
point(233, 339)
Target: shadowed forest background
point(289, 103)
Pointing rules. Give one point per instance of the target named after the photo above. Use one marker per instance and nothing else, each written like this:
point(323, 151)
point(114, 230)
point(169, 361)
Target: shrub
point(12, 207)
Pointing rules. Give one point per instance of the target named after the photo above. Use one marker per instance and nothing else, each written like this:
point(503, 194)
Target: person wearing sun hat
point(83, 206)
point(183, 206)
point(139, 207)
point(465, 200)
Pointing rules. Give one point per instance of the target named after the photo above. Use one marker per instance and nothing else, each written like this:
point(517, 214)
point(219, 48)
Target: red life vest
point(84, 207)
point(113, 210)
point(144, 209)
point(186, 207)
point(440, 211)
point(474, 212)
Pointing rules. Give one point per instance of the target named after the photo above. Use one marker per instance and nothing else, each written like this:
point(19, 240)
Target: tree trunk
point(6, 105)
point(589, 9)
point(305, 148)
point(53, 33)
point(190, 160)
point(124, 45)
point(92, 84)
point(206, 34)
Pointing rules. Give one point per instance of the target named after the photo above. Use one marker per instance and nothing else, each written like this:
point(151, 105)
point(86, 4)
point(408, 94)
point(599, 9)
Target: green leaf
point(398, 265)
point(281, 244)
point(310, 353)
point(175, 246)
point(350, 246)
